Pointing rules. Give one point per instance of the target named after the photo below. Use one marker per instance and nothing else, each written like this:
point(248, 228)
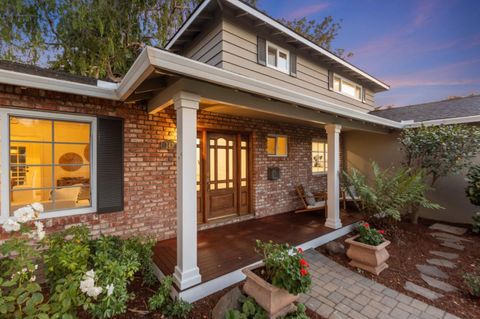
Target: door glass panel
point(212, 166)
point(222, 185)
point(230, 164)
point(244, 164)
point(222, 142)
point(222, 164)
point(212, 142)
point(230, 185)
point(198, 164)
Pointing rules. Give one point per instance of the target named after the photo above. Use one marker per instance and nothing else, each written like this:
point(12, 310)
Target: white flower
point(36, 267)
point(11, 225)
point(33, 278)
point(39, 226)
point(94, 291)
point(109, 289)
point(90, 274)
point(40, 234)
point(24, 214)
point(87, 284)
point(38, 207)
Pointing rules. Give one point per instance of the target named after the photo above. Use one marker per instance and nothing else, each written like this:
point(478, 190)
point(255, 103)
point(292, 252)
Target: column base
point(187, 279)
point(333, 223)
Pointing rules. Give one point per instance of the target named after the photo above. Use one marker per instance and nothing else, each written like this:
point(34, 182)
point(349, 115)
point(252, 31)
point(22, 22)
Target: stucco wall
point(362, 147)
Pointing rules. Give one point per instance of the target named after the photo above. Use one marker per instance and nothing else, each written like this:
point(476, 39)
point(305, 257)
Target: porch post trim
point(333, 176)
point(187, 273)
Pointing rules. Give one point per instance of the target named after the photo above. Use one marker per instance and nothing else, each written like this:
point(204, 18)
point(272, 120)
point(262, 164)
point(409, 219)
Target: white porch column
point(186, 273)
point(333, 176)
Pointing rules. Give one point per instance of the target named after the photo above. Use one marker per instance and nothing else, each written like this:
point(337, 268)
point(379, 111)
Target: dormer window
point(346, 87)
point(277, 58)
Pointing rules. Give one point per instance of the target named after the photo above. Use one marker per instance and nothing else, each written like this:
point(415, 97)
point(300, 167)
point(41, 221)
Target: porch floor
point(224, 249)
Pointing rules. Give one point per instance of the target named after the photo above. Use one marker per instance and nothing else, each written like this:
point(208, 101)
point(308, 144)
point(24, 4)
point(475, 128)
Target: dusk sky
point(426, 50)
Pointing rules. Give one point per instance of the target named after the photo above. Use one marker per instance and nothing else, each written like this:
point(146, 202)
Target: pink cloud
point(424, 12)
point(308, 10)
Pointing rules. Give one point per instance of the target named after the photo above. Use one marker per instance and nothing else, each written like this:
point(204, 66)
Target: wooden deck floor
point(227, 248)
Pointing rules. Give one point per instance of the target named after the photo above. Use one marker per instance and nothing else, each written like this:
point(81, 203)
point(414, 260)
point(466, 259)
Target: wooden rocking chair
point(320, 200)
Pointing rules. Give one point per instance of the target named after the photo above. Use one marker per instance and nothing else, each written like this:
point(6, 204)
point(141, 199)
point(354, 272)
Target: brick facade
point(150, 171)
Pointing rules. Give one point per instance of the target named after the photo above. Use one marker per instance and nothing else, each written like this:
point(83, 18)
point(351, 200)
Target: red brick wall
point(150, 171)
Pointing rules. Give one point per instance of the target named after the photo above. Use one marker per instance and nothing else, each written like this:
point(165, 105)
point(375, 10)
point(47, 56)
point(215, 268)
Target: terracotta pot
point(276, 301)
point(370, 258)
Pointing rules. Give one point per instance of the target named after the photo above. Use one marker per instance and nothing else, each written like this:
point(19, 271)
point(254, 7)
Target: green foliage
point(144, 249)
point(476, 223)
point(249, 310)
point(369, 235)
point(285, 267)
point(163, 302)
point(387, 193)
point(440, 150)
point(473, 187)
point(472, 280)
point(298, 314)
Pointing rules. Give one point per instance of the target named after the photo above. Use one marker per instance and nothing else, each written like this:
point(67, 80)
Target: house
point(189, 141)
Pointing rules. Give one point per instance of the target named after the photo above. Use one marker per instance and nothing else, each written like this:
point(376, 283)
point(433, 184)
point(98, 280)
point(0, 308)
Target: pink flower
point(381, 231)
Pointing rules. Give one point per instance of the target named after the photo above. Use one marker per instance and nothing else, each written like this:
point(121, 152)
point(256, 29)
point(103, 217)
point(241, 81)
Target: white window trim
point(319, 140)
point(276, 136)
point(279, 49)
point(335, 75)
point(5, 158)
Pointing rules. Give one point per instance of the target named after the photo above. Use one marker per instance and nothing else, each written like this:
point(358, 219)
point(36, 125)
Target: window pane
point(336, 84)
point(282, 61)
point(67, 154)
point(348, 88)
point(272, 56)
point(358, 92)
point(24, 197)
point(222, 164)
point(71, 175)
point(26, 129)
point(243, 164)
point(71, 197)
point(271, 145)
point(31, 176)
point(30, 153)
point(281, 145)
point(72, 132)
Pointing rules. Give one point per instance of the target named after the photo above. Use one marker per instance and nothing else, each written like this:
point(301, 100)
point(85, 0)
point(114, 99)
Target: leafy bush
point(144, 249)
point(369, 235)
point(285, 267)
point(388, 192)
point(476, 223)
point(473, 187)
point(163, 302)
point(472, 280)
point(251, 310)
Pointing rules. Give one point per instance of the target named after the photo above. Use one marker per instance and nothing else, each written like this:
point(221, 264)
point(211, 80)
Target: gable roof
point(446, 109)
point(207, 6)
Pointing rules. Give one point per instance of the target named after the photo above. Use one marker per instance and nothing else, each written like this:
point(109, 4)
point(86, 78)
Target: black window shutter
point(261, 51)
point(330, 80)
point(109, 164)
point(293, 64)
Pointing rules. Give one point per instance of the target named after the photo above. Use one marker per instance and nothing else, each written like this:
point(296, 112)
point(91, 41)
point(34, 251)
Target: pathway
point(339, 293)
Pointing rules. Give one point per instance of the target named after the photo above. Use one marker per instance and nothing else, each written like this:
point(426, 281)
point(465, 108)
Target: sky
point(426, 50)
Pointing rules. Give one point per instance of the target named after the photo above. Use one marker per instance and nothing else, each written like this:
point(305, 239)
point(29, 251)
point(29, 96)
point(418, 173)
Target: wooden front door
point(224, 177)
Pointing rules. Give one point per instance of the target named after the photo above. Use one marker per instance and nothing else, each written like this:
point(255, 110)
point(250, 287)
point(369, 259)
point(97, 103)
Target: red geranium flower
point(303, 262)
point(381, 231)
point(366, 225)
point(303, 272)
point(300, 250)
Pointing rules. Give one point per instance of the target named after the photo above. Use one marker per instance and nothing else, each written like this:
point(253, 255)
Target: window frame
point(276, 136)
point(279, 49)
point(343, 79)
point(325, 152)
point(5, 115)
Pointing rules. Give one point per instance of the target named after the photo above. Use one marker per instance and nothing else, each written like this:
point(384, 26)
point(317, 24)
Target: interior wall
point(363, 147)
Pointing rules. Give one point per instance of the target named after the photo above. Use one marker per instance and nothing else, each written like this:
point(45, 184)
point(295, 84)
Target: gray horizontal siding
point(208, 47)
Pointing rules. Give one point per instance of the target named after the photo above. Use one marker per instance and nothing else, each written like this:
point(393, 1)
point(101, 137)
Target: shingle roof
point(451, 108)
point(36, 70)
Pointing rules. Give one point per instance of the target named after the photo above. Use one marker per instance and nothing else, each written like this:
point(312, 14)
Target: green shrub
point(472, 280)
point(249, 310)
point(144, 249)
point(473, 185)
point(168, 306)
point(476, 223)
point(285, 267)
point(369, 235)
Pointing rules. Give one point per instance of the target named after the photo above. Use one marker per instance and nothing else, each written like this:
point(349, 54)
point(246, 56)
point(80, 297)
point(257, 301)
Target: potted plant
point(277, 282)
point(367, 250)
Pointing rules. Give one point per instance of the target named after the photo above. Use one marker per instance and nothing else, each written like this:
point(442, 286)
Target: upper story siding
point(232, 45)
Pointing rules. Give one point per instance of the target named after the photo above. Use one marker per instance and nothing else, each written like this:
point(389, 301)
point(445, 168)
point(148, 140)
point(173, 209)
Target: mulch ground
point(411, 246)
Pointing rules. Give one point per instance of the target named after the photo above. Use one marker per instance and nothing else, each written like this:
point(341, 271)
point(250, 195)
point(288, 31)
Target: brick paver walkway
point(338, 292)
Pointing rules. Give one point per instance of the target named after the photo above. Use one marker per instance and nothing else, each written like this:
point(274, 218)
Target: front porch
point(224, 251)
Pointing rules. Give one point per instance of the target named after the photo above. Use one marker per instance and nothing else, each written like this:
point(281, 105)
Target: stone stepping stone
point(449, 229)
point(431, 271)
point(441, 262)
point(435, 283)
point(450, 237)
point(443, 254)
point(452, 245)
point(422, 291)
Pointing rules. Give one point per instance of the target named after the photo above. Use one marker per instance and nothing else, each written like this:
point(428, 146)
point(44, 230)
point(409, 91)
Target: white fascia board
point(137, 73)
point(281, 27)
point(454, 120)
point(187, 23)
point(57, 85)
point(198, 70)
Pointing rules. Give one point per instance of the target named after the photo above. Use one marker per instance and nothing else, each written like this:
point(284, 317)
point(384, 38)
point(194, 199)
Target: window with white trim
point(319, 157)
point(277, 145)
point(346, 87)
point(47, 158)
point(278, 58)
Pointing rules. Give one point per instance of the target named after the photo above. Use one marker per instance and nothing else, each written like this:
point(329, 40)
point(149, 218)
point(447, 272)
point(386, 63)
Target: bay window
point(47, 158)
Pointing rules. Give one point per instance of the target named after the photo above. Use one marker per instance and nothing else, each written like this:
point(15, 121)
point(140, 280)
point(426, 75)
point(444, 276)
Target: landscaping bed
point(411, 246)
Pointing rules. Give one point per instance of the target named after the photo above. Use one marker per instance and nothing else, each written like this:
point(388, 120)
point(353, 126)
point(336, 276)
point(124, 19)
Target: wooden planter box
point(370, 258)
point(276, 301)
